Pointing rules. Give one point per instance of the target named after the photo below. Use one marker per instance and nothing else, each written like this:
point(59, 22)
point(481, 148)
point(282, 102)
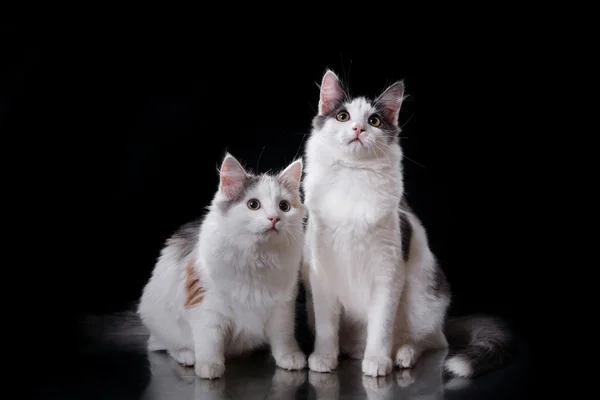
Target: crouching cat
point(374, 289)
point(227, 283)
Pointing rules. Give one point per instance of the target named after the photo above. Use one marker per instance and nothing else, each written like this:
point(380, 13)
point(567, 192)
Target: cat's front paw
point(377, 366)
point(210, 370)
point(322, 362)
point(406, 356)
point(183, 356)
point(292, 361)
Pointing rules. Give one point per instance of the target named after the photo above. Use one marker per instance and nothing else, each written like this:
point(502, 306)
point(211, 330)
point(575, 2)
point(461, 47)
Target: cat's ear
point(232, 177)
point(390, 102)
point(291, 176)
point(332, 93)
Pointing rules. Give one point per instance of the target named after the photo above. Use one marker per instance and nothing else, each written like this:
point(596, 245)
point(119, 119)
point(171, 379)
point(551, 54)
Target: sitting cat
point(374, 289)
point(227, 283)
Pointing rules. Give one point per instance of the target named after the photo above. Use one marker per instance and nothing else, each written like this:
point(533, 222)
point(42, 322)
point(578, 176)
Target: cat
point(374, 289)
point(227, 283)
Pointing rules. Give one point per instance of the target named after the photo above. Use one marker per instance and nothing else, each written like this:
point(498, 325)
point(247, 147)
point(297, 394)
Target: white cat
point(228, 283)
point(374, 289)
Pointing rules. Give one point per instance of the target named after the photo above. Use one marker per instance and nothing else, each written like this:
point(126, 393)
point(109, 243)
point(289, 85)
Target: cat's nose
point(358, 128)
point(273, 220)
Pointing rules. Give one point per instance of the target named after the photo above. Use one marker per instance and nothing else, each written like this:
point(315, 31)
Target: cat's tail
point(122, 329)
point(477, 344)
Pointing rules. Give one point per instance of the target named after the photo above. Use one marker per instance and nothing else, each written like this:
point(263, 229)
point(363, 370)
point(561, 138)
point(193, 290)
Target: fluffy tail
point(122, 329)
point(477, 344)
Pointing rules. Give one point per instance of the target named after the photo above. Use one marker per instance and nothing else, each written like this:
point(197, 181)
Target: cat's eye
point(284, 206)
point(342, 116)
point(375, 121)
point(253, 204)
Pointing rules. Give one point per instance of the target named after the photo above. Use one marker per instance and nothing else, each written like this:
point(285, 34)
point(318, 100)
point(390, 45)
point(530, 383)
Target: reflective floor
point(102, 371)
point(256, 377)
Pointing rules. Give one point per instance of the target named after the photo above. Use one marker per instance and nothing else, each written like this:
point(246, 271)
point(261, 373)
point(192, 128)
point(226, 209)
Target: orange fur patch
point(193, 287)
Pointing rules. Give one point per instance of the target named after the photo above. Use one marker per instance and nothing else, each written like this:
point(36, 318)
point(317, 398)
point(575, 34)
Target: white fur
point(360, 291)
point(459, 367)
point(249, 277)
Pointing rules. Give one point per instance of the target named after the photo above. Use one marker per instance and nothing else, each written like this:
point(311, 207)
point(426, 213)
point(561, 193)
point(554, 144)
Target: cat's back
point(167, 279)
point(178, 248)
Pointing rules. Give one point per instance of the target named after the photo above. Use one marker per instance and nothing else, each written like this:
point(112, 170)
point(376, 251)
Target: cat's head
point(356, 128)
point(260, 208)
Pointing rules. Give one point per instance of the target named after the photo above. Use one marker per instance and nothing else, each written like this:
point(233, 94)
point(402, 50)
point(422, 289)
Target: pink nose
point(274, 220)
point(358, 128)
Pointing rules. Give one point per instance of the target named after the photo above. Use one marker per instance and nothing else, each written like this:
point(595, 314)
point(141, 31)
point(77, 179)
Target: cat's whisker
point(383, 152)
point(294, 234)
point(407, 121)
point(404, 155)
point(259, 156)
point(288, 238)
point(410, 159)
point(375, 152)
point(300, 147)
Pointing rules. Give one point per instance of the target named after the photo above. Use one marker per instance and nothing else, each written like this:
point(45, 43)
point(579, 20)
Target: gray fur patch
point(439, 285)
point(320, 120)
point(186, 238)
point(406, 232)
point(406, 229)
point(483, 342)
point(249, 183)
point(390, 131)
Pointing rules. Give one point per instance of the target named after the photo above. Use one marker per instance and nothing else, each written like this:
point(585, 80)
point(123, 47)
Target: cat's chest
point(350, 196)
point(260, 283)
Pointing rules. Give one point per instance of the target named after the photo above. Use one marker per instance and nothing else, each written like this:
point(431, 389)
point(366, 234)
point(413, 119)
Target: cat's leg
point(408, 353)
point(425, 300)
point(155, 345)
point(382, 310)
point(179, 339)
point(167, 333)
point(280, 332)
point(209, 329)
point(326, 308)
point(420, 320)
point(413, 346)
point(420, 327)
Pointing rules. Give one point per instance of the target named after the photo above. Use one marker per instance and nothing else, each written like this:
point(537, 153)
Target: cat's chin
point(267, 235)
point(358, 150)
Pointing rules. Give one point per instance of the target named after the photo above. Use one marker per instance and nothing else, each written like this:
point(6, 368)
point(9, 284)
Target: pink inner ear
point(292, 175)
point(391, 101)
point(331, 93)
point(231, 185)
point(232, 177)
point(390, 113)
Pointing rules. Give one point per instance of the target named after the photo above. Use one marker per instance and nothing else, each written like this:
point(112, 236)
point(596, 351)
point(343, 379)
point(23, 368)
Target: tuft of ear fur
point(291, 176)
point(232, 177)
point(332, 93)
point(391, 101)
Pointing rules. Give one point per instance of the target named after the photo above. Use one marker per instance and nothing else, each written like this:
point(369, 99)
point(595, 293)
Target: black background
point(119, 133)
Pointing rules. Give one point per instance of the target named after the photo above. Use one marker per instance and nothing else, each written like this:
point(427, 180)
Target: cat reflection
point(423, 382)
point(255, 377)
